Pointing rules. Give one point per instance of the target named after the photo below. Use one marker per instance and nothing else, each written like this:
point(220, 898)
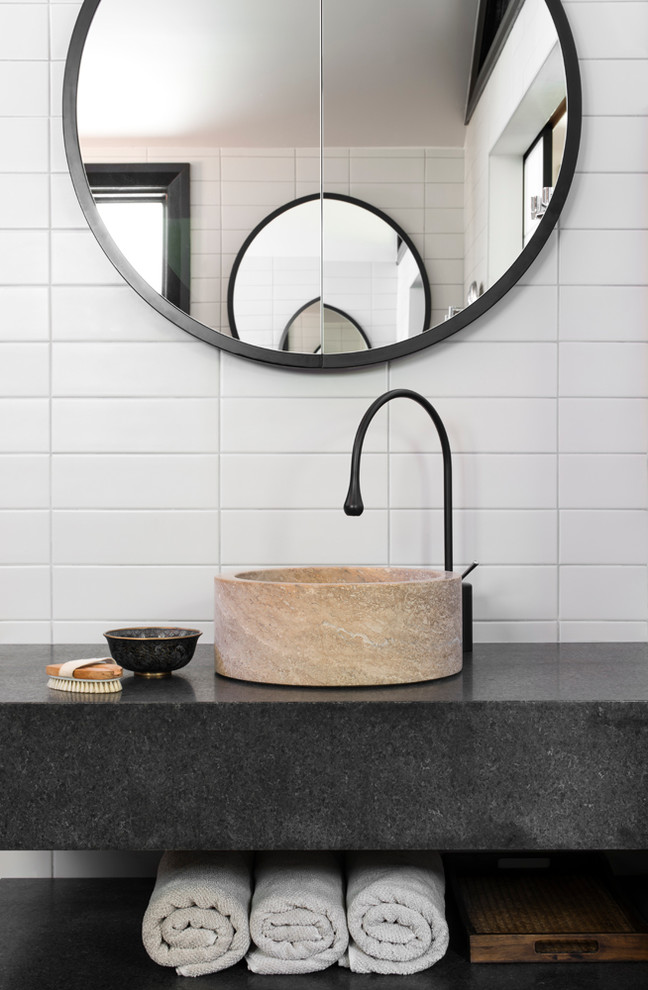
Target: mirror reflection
point(232, 89)
point(316, 328)
point(368, 270)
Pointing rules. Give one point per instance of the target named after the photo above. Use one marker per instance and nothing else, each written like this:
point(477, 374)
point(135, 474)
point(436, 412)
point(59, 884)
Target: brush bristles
point(85, 686)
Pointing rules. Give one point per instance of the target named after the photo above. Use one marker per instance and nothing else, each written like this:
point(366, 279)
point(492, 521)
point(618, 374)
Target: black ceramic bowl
point(152, 651)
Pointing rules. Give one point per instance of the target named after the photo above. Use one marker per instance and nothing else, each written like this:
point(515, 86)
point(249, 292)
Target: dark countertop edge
point(182, 703)
point(496, 675)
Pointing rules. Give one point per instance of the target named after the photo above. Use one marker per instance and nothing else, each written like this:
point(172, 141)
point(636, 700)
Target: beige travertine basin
point(338, 626)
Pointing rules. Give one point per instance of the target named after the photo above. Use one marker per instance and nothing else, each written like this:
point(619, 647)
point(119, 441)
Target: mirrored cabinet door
point(322, 183)
point(401, 134)
point(394, 139)
point(230, 90)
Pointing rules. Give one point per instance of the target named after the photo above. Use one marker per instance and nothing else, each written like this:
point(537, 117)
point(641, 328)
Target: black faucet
point(354, 506)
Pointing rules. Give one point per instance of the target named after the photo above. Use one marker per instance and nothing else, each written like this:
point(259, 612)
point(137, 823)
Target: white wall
point(136, 461)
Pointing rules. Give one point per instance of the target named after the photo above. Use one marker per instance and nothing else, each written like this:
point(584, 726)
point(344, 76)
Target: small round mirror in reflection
point(373, 282)
point(316, 328)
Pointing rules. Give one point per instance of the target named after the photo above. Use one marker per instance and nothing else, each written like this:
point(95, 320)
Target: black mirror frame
point(352, 359)
point(340, 198)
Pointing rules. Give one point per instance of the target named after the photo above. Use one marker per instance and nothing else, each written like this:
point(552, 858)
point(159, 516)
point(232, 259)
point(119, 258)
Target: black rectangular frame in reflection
point(172, 183)
point(494, 22)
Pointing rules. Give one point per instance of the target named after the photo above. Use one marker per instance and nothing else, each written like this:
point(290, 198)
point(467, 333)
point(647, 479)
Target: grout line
point(389, 469)
point(426, 509)
point(50, 341)
point(331, 507)
point(321, 171)
point(122, 509)
point(117, 287)
point(637, 566)
point(557, 452)
point(324, 396)
point(103, 341)
point(219, 490)
point(318, 454)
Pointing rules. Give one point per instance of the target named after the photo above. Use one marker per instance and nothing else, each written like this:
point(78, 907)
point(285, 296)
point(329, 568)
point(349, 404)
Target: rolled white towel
point(298, 919)
point(395, 912)
point(197, 917)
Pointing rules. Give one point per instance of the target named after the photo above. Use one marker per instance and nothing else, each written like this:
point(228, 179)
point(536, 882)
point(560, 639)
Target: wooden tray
point(546, 915)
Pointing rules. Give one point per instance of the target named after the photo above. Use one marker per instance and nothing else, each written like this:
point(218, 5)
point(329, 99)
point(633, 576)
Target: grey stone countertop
point(523, 672)
point(532, 746)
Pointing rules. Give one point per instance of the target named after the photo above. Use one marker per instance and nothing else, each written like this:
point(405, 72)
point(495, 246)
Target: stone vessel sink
point(338, 626)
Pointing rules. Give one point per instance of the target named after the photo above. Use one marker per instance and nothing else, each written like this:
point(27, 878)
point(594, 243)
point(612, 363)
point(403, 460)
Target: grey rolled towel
point(197, 916)
point(395, 912)
point(298, 918)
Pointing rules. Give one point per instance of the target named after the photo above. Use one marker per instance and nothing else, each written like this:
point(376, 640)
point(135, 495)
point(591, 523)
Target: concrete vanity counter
point(530, 747)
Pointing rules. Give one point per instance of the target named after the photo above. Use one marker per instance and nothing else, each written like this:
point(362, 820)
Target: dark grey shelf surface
point(499, 672)
point(86, 933)
point(530, 747)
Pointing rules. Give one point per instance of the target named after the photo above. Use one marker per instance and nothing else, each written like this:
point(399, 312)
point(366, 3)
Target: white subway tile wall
point(137, 461)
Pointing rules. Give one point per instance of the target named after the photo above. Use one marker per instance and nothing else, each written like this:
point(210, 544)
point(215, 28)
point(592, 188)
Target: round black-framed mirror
point(545, 221)
point(357, 259)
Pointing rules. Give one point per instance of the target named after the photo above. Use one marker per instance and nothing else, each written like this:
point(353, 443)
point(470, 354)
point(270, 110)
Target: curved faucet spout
point(354, 506)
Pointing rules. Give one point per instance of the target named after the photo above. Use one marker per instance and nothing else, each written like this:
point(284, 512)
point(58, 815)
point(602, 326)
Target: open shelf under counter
point(80, 934)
